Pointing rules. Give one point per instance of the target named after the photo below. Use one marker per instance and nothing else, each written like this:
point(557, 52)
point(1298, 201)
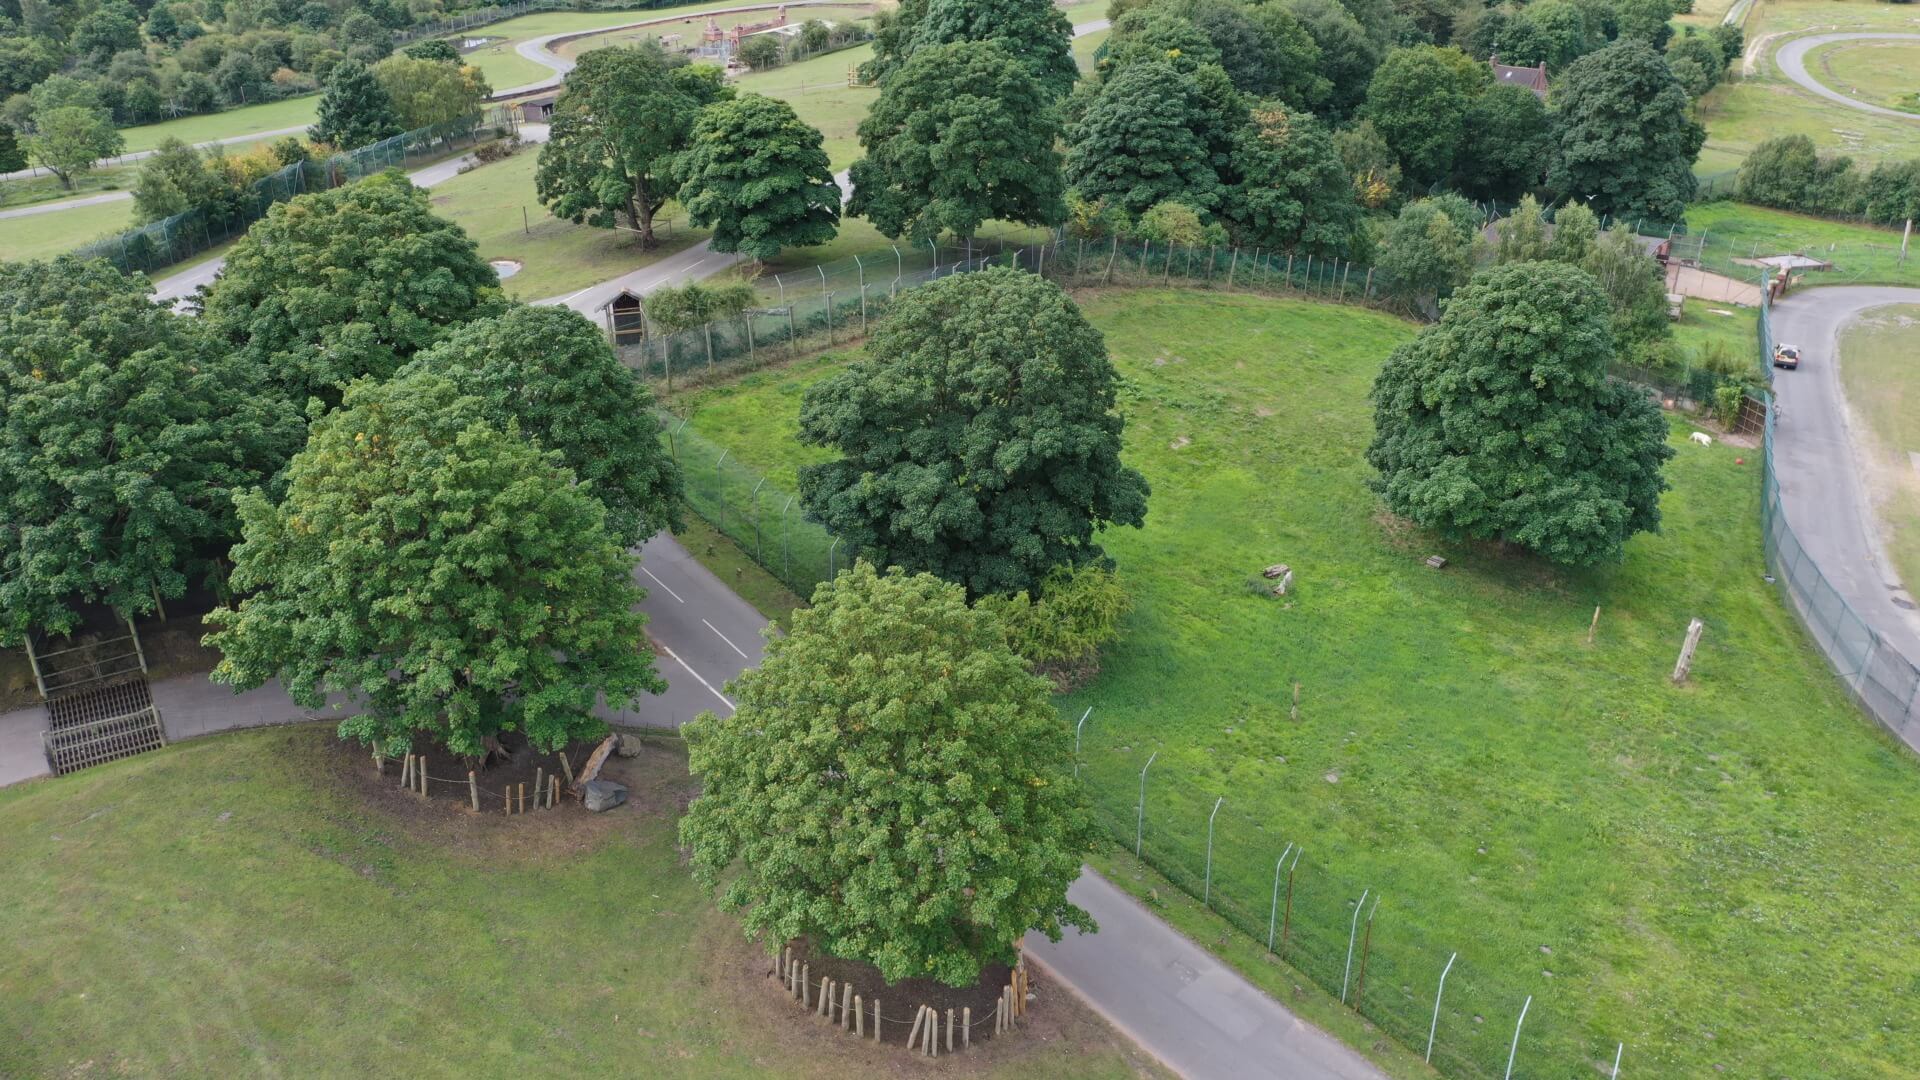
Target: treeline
point(1788, 173)
point(762, 51)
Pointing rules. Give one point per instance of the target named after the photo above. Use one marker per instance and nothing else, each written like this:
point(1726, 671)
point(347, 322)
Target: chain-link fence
point(1361, 946)
point(1883, 680)
point(171, 240)
point(765, 519)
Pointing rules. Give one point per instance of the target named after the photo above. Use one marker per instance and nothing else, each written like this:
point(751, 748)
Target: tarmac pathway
point(1818, 465)
point(66, 204)
point(1792, 59)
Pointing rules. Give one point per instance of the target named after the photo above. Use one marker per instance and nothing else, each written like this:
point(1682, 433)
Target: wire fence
point(1460, 1010)
point(1882, 679)
point(174, 239)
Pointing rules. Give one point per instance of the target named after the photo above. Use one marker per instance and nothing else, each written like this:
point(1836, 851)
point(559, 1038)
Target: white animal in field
point(1702, 438)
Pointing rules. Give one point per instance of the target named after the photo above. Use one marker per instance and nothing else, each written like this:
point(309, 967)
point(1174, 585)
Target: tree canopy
point(343, 283)
point(1429, 251)
point(355, 110)
point(960, 135)
point(1508, 143)
point(623, 117)
point(1625, 134)
point(1501, 423)
point(1137, 144)
point(552, 373)
point(1035, 33)
point(445, 573)
point(426, 92)
point(1293, 193)
point(67, 140)
point(895, 785)
point(122, 442)
point(758, 177)
point(1419, 100)
point(979, 436)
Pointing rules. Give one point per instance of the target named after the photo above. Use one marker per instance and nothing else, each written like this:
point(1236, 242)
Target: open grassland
point(247, 120)
point(818, 91)
point(1746, 111)
point(42, 236)
point(258, 903)
point(1884, 73)
point(1881, 377)
point(1860, 254)
point(1714, 875)
point(556, 256)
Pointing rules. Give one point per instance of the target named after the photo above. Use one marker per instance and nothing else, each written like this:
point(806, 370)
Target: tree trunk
point(640, 211)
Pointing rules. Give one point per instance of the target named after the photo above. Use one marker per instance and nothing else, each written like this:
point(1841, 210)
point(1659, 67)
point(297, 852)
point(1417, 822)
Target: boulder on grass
point(603, 794)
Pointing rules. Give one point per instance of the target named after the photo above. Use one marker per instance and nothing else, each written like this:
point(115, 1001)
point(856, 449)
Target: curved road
point(1792, 59)
point(1818, 466)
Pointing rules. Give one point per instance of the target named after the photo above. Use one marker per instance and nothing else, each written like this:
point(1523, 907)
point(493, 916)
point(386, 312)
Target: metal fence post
point(1617, 1051)
point(1076, 739)
point(1286, 917)
point(756, 538)
point(1273, 910)
point(1206, 890)
point(1352, 932)
point(1515, 1049)
point(786, 547)
point(1140, 818)
point(832, 565)
point(1434, 1028)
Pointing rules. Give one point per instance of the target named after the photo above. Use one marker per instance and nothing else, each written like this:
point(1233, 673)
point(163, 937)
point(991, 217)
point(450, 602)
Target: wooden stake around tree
point(859, 1018)
point(1594, 625)
point(1685, 664)
point(1295, 715)
point(473, 789)
point(846, 998)
point(521, 803)
point(539, 786)
point(913, 1036)
point(805, 981)
point(876, 1019)
point(421, 775)
point(566, 768)
point(966, 1028)
point(949, 1030)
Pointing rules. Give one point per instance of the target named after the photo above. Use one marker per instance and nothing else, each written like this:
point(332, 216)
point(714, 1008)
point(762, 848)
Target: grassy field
point(1882, 384)
point(1860, 254)
point(1709, 874)
point(818, 91)
point(42, 236)
point(249, 120)
point(1878, 72)
point(46, 188)
point(1747, 110)
point(556, 256)
point(258, 904)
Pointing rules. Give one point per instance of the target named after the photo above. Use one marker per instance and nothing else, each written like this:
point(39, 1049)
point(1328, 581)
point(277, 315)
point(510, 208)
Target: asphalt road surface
point(1818, 463)
point(1792, 59)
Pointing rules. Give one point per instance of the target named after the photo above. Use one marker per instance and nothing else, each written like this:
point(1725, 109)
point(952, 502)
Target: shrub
point(1061, 633)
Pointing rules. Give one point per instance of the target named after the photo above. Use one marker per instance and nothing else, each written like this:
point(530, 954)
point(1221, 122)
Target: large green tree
point(1624, 133)
point(551, 372)
point(623, 117)
point(1501, 423)
point(757, 175)
point(355, 110)
point(979, 437)
point(1429, 252)
point(1347, 55)
point(12, 157)
point(429, 92)
point(1419, 100)
point(122, 442)
point(1293, 192)
point(961, 134)
point(448, 575)
point(895, 785)
point(1507, 146)
point(1141, 142)
point(67, 140)
point(339, 284)
point(1035, 33)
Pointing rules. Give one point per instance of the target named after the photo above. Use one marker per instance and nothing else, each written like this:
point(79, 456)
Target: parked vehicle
point(1786, 356)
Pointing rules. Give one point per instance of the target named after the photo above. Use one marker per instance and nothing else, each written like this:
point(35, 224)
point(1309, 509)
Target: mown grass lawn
point(1860, 254)
point(1877, 72)
point(1715, 875)
point(256, 904)
point(42, 236)
point(1882, 385)
point(818, 91)
point(246, 120)
point(497, 206)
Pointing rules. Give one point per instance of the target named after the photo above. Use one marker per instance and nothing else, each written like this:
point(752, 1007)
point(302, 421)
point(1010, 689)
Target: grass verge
point(1882, 385)
point(259, 902)
point(1860, 254)
point(1709, 874)
point(42, 236)
point(717, 552)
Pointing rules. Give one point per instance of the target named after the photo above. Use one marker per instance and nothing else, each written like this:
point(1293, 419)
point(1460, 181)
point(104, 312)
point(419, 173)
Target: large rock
point(628, 745)
point(603, 794)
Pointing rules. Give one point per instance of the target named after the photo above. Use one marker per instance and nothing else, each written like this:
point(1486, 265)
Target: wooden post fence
point(473, 791)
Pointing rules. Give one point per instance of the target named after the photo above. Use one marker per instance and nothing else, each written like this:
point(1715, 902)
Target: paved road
point(184, 284)
point(1792, 59)
point(69, 204)
point(1194, 1013)
point(1818, 462)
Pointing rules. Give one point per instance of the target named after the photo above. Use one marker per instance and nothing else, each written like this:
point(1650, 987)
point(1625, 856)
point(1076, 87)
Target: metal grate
point(92, 727)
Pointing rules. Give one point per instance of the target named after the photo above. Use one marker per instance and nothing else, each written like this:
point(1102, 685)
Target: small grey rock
point(603, 794)
point(628, 746)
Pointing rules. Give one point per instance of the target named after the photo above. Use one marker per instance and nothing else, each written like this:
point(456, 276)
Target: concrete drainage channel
point(505, 268)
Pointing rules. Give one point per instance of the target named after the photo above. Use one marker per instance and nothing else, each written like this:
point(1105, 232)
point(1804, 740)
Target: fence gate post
point(1352, 932)
point(1114, 254)
point(1515, 1049)
point(1206, 890)
point(1434, 1027)
point(1273, 910)
point(1232, 266)
point(1140, 819)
